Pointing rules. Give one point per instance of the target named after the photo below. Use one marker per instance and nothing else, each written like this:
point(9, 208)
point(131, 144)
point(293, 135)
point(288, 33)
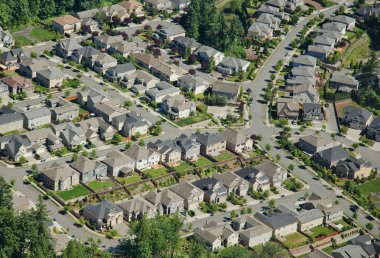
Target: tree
point(142, 143)
point(35, 168)
point(117, 138)
point(22, 160)
point(233, 214)
point(85, 153)
point(158, 130)
point(278, 157)
point(270, 250)
point(74, 157)
point(93, 154)
point(291, 167)
point(355, 145)
point(272, 204)
point(268, 147)
point(128, 145)
point(369, 226)
point(128, 103)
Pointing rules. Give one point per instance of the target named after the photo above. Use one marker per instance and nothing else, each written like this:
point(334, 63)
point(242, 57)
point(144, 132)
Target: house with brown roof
point(133, 6)
point(233, 183)
point(66, 24)
point(287, 109)
point(192, 196)
point(229, 90)
point(18, 84)
point(217, 236)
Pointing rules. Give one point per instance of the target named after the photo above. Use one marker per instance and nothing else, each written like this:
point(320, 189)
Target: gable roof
point(66, 19)
point(102, 210)
point(59, 172)
point(209, 138)
point(353, 113)
point(335, 153)
point(83, 164)
point(276, 220)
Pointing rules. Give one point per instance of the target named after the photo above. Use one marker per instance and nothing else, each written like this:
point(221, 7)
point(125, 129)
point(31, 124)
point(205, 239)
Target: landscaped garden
point(153, 173)
point(129, 179)
point(202, 161)
point(295, 240)
point(224, 155)
point(169, 181)
point(99, 185)
point(75, 192)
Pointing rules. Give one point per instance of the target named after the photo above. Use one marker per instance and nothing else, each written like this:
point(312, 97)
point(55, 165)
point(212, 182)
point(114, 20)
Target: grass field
point(202, 161)
point(192, 120)
point(357, 51)
point(24, 41)
point(41, 34)
point(372, 186)
point(183, 167)
point(99, 185)
point(153, 173)
point(295, 240)
point(76, 192)
point(225, 155)
point(130, 179)
point(320, 231)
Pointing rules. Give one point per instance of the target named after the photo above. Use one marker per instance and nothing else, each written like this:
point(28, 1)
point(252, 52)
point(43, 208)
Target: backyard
point(153, 173)
point(295, 240)
point(99, 185)
point(225, 155)
point(183, 167)
point(320, 231)
point(357, 51)
point(129, 179)
point(199, 117)
point(202, 161)
point(372, 186)
point(75, 192)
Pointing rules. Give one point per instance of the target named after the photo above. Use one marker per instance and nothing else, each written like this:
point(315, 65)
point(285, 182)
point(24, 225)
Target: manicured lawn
point(295, 240)
point(130, 179)
point(225, 155)
point(24, 41)
point(153, 173)
point(357, 51)
point(183, 167)
point(342, 222)
point(99, 185)
point(329, 249)
point(192, 120)
point(202, 161)
point(372, 186)
point(76, 192)
point(320, 231)
point(41, 34)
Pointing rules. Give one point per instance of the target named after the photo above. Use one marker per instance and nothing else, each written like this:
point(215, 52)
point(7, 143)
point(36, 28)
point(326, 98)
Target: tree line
point(15, 13)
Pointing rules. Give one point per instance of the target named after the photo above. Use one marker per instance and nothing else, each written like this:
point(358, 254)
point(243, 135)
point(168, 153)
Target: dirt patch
point(342, 105)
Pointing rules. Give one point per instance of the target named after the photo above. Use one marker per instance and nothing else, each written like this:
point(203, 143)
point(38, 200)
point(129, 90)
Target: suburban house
point(183, 44)
point(132, 6)
point(166, 202)
point(343, 82)
point(312, 143)
point(65, 47)
point(104, 214)
point(193, 83)
point(62, 109)
point(66, 24)
point(162, 90)
point(280, 4)
point(237, 141)
point(320, 51)
point(373, 130)
point(171, 32)
point(70, 134)
point(168, 5)
point(308, 219)
point(276, 174)
point(260, 31)
point(96, 128)
point(282, 224)
point(251, 231)
point(118, 72)
point(191, 195)
point(169, 152)
point(104, 41)
point(6, 38)
point(335, 26)
point(352, 168)
point(177, 107)
point(17, 84)
point(119, 164)
point(216, 236)
point(50, 78)
point(272, 21)
point(59, 177)
point(214, 191)
point(90, 25)
point(102, 62)
point(137, 208)
point(349, 251)
point(144, 158)
point(85, 54)
point(287, 109)
point(312, 112)
point(30, 67)
point(324, 41)
point(330, 157)
point(304, 60)
point(9, 60)
point(232, 65)
point(231, 91)
point(139, 81)
point(348, 21)
point(190, 148)
point(125, 48)
point(357, 118)
point(267, 9)
point(134, 123)
point(206, 54)
point(211, 144)
point(368, 12)
point(166, 72)
point(145, 60)
point(11, 122)
point(305, 93)
point(256, 179)
point(89, 169)
point(37, 117)
point(233, 183)
point(305, 71)
point(16, 147)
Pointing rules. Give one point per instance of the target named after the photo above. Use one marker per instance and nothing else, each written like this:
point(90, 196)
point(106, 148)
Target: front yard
point(295, 240)
point(202, 161)
point(153, 173)
point(75, 192)
point(225, 155)
point(99, 185)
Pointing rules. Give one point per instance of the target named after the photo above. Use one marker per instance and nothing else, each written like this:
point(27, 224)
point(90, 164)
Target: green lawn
point(251, 11)
point(320, 231)
point(99, 185)
point(41, 34)
point(129, 179)
point(153, 173)
point(357, 51)
point(342, 222)
point(295, 240)
point(372, 186)
point(225, 155)
point(329, 249)
point(75, 192)
point(192, 120)
point(183, 167)
point(202, 161)
point(24, 41)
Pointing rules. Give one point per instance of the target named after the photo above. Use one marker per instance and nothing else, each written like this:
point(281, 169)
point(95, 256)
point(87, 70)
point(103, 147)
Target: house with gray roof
point(97, 128)
point(233, 183)
point(231, 91)
point(89, 169)
point(287, 108)
point(206, 53)
point(217, 236)
point(236, 141)
point(51, 77)
point(319, 51)
point(191, 195)
point(232, 65)
point(353, 168)
point(190, 148)
point(324, 40)
point(304, 71)
point(137, 208)
point(312, 143)
point(166, 202)
point(59, 177)
point(312, 112)
point(11, 122)
point(16, 147)
point(144, 157)
point(272, 21)
point(30, 67)
point(178, 107)
point(349, 251)
point(104, 214)
point(251, 231)
point(368, 12)
point(211, 143)
point(213, 190)
point(293, 82)
point(282, 224)
point(169, 151)
point(256, 179)
point(184, 44)
point(373, 130)
point(162, 90)
point(9, 60)
point(104, 41)
point(133, 123)
point(37, 117)
point(305, 93)
point(6, 38)
point(357, 118)
point(193, 83)
point(119, 164)
point(65, 47)
point(62, 109)
point(118, 72)
point(348, 21)
point(280, 4)
point(260, 31)
point(308, 219)
point(86, 54)
point(165, 71)
point(125, 48)
point(139, 81)
point(71, 135)
point(269, 10)
point(102, 62)
point(275, 173)
point(171, 32)
point(335, 26)
point(343, 82)
point(304, 60)
point(330, 157)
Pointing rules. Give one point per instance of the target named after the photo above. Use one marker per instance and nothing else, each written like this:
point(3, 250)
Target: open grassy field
point(357, 51)
point(99, 185)
point(130, 179)
point(202, 161)
point(24, 41)
point(225, 155)
point(295, 240)
point(153, 173)
point(41, 34)
point(75, 192)
point(372, 186)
